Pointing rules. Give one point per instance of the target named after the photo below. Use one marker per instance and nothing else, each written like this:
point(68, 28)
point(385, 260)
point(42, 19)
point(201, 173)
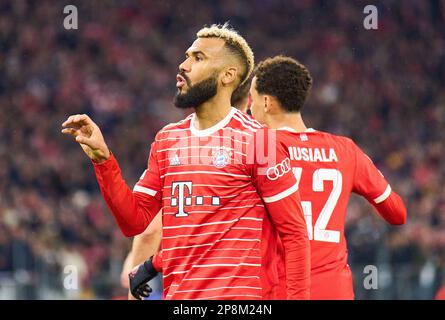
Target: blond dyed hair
point(235, 42)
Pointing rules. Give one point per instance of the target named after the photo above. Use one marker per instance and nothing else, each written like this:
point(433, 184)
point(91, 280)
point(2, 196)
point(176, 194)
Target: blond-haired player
point(148, 243)
point(224, 202)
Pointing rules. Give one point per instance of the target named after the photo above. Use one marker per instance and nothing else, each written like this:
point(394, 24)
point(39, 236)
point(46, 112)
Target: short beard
point(197, 94)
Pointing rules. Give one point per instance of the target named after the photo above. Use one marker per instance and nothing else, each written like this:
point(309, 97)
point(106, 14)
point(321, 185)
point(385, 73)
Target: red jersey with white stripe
point(219, 242)
point(328, 169)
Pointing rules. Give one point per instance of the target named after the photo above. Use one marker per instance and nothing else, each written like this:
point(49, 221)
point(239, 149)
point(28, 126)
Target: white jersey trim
point(244, 264)
point(250, 121)
point(384, 195)
point(220, 278)
point(148, 191)
point(218, 288)
point(211, 130)
point(285, 128)
point(204, 172)
point(200, 225)
point(281, 195)
point(244, 123)
point(223, 249)
point(215, 258)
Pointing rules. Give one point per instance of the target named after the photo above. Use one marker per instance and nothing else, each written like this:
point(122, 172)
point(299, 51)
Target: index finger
point(67, 121)
point(77, 119)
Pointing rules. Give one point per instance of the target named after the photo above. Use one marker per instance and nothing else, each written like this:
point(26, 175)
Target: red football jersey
point(214, 186)
point(328, 168)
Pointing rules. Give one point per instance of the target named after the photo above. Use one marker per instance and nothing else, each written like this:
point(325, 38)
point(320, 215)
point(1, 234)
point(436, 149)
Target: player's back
point(324, 167)
point(328, 168)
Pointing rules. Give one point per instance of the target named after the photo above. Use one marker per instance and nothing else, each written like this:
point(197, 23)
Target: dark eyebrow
point(194, 53)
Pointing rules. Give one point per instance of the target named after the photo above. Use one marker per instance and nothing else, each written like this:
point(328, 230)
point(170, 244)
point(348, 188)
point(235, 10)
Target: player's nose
point(184, 66)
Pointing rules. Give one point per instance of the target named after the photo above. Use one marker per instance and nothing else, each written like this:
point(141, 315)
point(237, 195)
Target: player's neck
point(211, 112)
point(288, 120)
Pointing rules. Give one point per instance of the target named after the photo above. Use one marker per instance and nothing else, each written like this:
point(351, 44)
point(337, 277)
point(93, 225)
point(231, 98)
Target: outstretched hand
point(88, 135)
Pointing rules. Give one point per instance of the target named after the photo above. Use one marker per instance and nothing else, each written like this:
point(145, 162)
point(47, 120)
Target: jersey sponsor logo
point(182, 197)
point(313, 154)
point(220, 158)
point(273, 173)
point(174, 161)
point(181, 200)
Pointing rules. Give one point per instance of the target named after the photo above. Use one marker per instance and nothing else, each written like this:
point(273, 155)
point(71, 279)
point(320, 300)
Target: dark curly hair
point(284, 78)
point(241, 95)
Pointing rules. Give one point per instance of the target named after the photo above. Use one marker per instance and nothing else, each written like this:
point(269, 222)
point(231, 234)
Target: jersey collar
point(292, 130)
point(213, 129)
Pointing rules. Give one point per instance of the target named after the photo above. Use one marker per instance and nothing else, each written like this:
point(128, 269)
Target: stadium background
point(384, 88)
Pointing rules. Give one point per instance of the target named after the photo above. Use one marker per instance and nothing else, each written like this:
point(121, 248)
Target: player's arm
point(392, 209)
point(146, 269)
point(133, 211)
point(371, 184)
point(287, 216)
point(145, 245)
point(278, 187)
point(126, 268)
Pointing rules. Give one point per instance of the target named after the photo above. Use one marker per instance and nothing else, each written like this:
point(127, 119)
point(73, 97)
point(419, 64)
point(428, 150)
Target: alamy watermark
point(371, 280)
point(371, 21)
point(70, 278)
point(71, 21)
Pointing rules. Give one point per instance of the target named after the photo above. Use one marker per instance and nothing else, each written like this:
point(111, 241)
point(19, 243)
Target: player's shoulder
point(335, 139)
point(241, 126)
point(174, 128)
point(316, 138)
point(182, 124)
point(243, 122)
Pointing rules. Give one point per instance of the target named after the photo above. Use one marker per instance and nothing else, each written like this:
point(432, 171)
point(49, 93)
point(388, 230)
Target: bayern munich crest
point(220, 157)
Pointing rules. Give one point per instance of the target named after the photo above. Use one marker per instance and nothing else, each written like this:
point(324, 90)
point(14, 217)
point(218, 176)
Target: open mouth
point(180, 81)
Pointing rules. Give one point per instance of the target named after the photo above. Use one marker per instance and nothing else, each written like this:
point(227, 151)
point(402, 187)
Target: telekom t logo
point(179, 201)
point(184, 198)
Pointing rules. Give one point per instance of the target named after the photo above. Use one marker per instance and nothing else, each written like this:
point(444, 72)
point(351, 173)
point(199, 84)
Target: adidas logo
point(175, 161)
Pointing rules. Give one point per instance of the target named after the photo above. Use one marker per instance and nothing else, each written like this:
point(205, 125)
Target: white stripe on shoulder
point(384, 195)
point(173, 124)
point(238, 131)
point(281, 195)
point(244, 124)
point(173, 130)
point(250, 121)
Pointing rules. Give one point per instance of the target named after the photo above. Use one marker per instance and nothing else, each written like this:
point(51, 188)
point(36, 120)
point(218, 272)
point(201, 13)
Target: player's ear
point(272, 105)
point(229, 76)
point(267, 103)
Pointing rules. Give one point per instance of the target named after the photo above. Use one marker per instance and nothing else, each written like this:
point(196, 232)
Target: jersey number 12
point(319, 231)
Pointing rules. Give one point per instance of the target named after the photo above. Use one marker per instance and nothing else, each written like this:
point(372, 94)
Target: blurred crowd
point(384, 88)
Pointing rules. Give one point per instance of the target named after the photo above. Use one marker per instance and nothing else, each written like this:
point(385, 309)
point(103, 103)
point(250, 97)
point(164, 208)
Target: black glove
point(139, 277)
